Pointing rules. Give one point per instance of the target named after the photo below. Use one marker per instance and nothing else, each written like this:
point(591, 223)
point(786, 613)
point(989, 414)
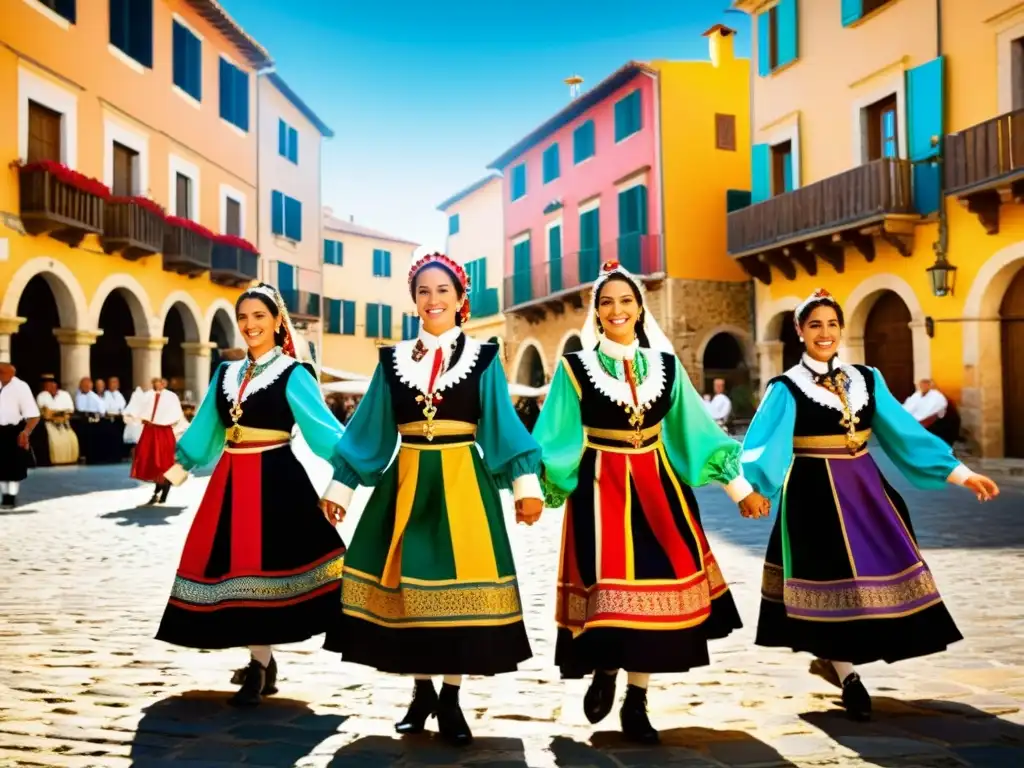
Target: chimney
point(720, 40)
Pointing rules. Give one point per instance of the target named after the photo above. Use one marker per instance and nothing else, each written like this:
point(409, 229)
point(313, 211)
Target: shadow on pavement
point(200, 726)
point(143, 516)
point(427, 749)
point(679, 746)
point(927, 731)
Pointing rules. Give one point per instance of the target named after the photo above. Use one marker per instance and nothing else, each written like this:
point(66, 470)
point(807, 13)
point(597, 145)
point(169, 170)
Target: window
point(285, 216)
point(44, 133)
point(131, 29)
point(63, 8)
point(125, 168)
point(332, 315)
point(188, 61)
point(628, 116)
point(522, 282)
point(552, 166)
point(234, 95)
point(782, 168)
point(855, 10)
point(773, 37)
point(348, 318)
point(519, 181)
point(232, 217)
point(381, 263)
point(453, 224)
point(880, 129)
point(725, 132)
point(777, 37)
point(872, 5)
point(287, 141)
point(334, 252)
point(590, 244)
point(183, 196)
point(1017, 72)
point(410, 326)
point(583, 142)
point(476, 271)
point(378, 321)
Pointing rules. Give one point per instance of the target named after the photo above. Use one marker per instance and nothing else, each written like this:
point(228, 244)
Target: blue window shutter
point(241, 95)
point(789, 31)
point(293, 145)
point(282, 138)
point(761, 173)
point(119, 24)
point(385, 321)
point(372, 321)
point(852, 10)
point(552, 167)
point(376, 262)
point(293, 219)
point(925, 120)
point(348, 318)
point(142, 32)
point(787, 173)
point(226, 83)
point(277, 213)
point(636, 110)
point(66, 8)
point(387, 263)
point(339, 248)
point(194, 57)
point(334, 315)
point(179, 56)
point(764, 33)
point(453, 224)
point(621, 127)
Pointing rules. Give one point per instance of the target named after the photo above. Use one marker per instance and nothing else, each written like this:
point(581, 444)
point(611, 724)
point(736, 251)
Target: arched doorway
point(572, 344)
point(34, 348)
point(1011, 314)
point(111, 355)
point(531, 368)
point(724, 359)
point(889, 343)
point(172, 357)
point(222, 333)
point(792, 347)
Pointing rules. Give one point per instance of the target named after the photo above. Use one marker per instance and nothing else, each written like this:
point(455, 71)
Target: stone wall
point(547, 334)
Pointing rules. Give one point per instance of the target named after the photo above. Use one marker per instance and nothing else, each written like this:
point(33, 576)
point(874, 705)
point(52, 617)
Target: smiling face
point(257, 325)
point(437, 300)
point(618, 310)
point(822, 332)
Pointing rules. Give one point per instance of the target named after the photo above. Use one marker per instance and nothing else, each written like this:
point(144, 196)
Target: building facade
point(476, 240)
point(366, 295)
point(290, 220)
point(634, 170)
point(875, 183)
point(111, 120)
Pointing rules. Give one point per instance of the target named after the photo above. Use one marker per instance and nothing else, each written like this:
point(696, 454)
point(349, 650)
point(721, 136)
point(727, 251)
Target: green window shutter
point(293, 219)
point(282, 138)
point(372, 321)
point(925, 120)
point(787, 173)
point(376, 263)
point(764, 33)
point(522, 290)
point(761, 173)
point(387, 263)
point(583, 142)
point(385, 321)
point(852, 11)
point(590, 249)
point(552, 166)
point(735, 199)
point(293, 145)
point(348, 318)
point(555, 258)
point(788, 32)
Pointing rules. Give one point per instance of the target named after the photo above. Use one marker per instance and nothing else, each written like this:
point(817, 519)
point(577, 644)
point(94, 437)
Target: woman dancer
point(430, 587)
point(843, 576)
point(624, 434)
point(262, 565)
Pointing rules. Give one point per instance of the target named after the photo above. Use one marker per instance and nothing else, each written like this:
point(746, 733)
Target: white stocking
point(262, 654)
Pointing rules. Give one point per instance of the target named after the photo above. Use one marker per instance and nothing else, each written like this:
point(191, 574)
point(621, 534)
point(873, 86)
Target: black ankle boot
point(424, 705)
point(250, 694)
point(164, 490)
point(8, 502)
point(451, 723)
point(636, 726)
point(155, 498)
point(270, 677)
point(856, 698)
point(600, 696)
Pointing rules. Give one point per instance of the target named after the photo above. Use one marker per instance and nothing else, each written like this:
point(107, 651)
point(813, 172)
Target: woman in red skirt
point(160, 411)
point(262, 565)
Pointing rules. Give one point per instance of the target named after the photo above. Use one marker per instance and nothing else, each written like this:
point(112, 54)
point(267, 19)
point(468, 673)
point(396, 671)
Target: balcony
point(819, 220)
point(132, 226)
point(233, 265)
point(187, 249)
point(985, 167)
point(60, 203)
point(548, 285)
point(303, 306)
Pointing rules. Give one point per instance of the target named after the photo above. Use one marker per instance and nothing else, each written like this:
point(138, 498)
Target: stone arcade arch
point(529, 366)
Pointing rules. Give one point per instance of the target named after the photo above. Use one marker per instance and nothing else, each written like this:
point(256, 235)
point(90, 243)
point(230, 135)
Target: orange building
point(107, 117)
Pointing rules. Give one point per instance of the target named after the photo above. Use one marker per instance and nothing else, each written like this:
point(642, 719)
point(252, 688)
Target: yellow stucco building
point(366, 295)
point(156, 105)
point(887, 150)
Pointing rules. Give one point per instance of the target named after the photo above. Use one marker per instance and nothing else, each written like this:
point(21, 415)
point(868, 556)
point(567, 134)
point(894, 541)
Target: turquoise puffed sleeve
point(204, 439)
point(512, 456)
point(698, 449)
point(559, 431)
point(768, 445)
point(924, 459)
point(320, 428)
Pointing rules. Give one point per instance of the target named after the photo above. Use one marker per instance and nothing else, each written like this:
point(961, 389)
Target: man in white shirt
point(927, 404)
point(18, 417)
point(87, 401)
point(58, 443)
point(720, 406)
point(113, 400)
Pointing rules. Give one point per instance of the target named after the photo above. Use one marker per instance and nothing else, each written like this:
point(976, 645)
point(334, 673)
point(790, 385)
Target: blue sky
point(423, 95)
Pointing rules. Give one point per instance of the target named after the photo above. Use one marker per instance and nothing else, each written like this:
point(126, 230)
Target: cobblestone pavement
point(84, 574)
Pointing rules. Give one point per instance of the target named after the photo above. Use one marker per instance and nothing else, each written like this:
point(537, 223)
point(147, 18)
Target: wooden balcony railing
point(131, 229)
point(185, 251)
point(984, 166)
point(850, 199)
point(50, 206)
point(233, 266)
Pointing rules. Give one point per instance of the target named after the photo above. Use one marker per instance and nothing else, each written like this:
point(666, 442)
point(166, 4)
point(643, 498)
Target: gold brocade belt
point(424, 434)
point(624, 440)
point(831, 446)
point(241, 439)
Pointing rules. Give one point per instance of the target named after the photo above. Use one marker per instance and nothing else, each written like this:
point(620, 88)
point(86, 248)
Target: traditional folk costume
point(624, 436)
point(163, 420)
point(261, 564)
point(17, 408)
point(60, 445)
point(133, 418)
point(430, 585)
point(843, 576)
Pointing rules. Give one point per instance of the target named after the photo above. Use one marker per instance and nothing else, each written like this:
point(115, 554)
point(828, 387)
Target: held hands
point(982, 487)
point(528, 510)
point(335, 513)
point(754, 505)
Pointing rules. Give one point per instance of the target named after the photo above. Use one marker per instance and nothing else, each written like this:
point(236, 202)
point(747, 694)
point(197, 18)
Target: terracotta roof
point(467, 191)
point(334, 224)
point(214, 13)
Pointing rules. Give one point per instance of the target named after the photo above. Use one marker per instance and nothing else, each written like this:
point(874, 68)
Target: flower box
point(61, 202)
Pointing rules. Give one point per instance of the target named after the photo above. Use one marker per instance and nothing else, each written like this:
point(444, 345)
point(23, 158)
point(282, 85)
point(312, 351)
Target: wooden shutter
point(124, 169)
point(183, 196)
point(761, 173)
point(788, 31)
point(232, 217)
point(44, 128)
point(725, 132)
point(925, 129)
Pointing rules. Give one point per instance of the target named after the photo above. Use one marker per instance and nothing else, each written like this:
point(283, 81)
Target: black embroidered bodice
point(814, 418)
point(265, 407)
point(599, 411)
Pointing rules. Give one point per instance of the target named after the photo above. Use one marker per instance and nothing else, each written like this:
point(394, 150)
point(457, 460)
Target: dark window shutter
point(277, 213)
point(195, 67)
point(385, 321)
point(241, 100)
point(179, 56)
point(119, 24)
point(141, 32)
point(349, 318)
point(282, 138)
point(226, 85)
point(293, 218)
point(66, 8)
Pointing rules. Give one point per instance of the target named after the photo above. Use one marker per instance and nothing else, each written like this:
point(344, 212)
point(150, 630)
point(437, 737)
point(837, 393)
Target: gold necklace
point(839, 386)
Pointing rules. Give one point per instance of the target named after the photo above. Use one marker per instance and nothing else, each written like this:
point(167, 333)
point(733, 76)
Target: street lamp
point(943, 276)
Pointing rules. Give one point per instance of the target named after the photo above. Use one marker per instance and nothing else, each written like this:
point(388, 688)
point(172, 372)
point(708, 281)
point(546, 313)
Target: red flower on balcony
point(234, 241)
point(142, 202)
point(72, 178)
point(192, 226)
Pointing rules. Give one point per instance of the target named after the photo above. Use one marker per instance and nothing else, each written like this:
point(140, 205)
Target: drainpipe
point(941, 245)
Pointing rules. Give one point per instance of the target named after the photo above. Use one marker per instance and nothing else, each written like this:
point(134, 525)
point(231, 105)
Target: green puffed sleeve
point(559, 430)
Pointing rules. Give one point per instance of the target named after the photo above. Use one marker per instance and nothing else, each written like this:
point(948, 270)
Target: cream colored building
point(290, 240)
point(366, 296)
point(476, 239)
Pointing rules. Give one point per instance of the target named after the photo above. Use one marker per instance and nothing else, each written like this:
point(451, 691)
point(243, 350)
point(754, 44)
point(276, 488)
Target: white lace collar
point(276, 363)
point(416, 373)
point(618, 351)
point(804, 379)
point(618, 390)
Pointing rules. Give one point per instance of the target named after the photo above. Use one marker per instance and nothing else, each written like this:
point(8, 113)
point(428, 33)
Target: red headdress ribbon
point(452, 266)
